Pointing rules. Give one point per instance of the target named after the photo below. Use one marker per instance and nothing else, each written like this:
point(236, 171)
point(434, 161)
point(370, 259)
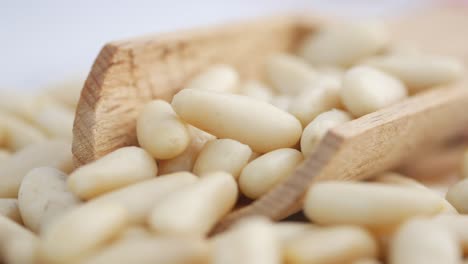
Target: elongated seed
point(290, 74)
point(251, 241)
point(173, 250)
point(115, 170)
point(186, 160)
point(222, 155)
point(344, 44)
point(398, 179)
point(56, 120)
point(17, 244)
point(312, 102)
point(289, 231)
point(217, 78)
point(19, 133)
point(268, 170)
point(282, 102)
point(160, 131)
point(195, 208)
point(316, 130)
point(423, 242)
point(139, 198)
point(54, 153)
point(419, 71)
point(43, 196)
point(257, 90)
point(368, 204)
point(342, 244)
point(366, 90)
point(258, 124)
point(81, 231)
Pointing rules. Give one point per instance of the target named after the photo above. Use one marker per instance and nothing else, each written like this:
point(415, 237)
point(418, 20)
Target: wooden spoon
point(126, 74)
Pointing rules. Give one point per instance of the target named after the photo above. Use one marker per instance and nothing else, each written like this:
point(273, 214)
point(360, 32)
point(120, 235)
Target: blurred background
point(49, 41)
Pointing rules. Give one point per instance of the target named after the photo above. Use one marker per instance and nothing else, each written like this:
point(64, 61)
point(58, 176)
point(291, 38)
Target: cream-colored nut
point(17, 244)
point(186, 160)
point(81, 231)
point(222, 155)
point(398, 179)
point(423, 242)
point(258, 124)
point(19, 133)
point(251, 241)
point(312, 102)
point(289, 74)
point(288, 231)
point(342, 244)
point(344, 44)
point(217, 78)
point(117, 169)
point(43, 196)
point(457, 195)
point(257, 90)
point(316, 130)
point(464, 166)
point(54, 153)
point(457, 225)
point(56, 120)
point(196, 208)
point(268, 170)
point(140, 198)
point(418, 71)
point(67, 92)
point(170, 250)
point(160, 131)
point(9, 208)
point(368, 204)
point(366, 90)
point(282, 102)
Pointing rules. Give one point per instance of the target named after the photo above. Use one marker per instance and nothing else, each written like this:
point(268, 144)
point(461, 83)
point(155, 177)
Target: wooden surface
point(128, 73)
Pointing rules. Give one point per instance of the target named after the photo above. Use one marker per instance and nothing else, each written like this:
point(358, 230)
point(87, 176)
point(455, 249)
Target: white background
point(46, 41)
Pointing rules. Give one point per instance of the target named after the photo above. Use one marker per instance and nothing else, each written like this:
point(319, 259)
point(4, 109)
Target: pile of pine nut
point(221, 138)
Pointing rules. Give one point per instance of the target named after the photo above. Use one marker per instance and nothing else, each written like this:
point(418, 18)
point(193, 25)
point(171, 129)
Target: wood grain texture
point(129, 73)
point(126, 74)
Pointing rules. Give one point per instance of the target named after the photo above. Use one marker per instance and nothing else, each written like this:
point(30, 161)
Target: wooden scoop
point(129, 73)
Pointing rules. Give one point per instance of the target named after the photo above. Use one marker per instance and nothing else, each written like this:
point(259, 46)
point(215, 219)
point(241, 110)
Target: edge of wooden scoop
point(373, 143)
